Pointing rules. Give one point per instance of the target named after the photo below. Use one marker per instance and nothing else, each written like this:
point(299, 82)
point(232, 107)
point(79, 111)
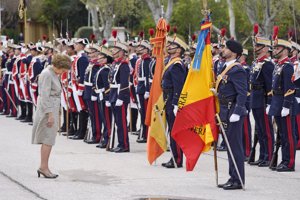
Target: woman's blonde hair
point(61, 61)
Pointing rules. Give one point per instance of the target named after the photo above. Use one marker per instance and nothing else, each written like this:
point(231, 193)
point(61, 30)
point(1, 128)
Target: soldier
point(16, 76)
point(4, 79)
point(101, 91)
point(247, 124)
point(283, 104)
point(34, 69)
point(89, 95)
point(78, 69)
point(26, 82)
point(143, 85)
point(295, 60)
point(66, 79)
point(218, 64)
point(232, 94)
point(261, 85)
point(10, 89)
point(173, 79)
point(133, 97)
point(119, 95)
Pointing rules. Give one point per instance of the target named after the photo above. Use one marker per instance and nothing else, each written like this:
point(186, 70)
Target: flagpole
point(206, 12)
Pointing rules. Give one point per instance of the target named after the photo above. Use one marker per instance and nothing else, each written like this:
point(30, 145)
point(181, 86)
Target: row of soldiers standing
point(103, 82)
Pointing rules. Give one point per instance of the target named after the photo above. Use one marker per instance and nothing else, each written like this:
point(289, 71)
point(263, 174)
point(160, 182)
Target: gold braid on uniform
point(289, 92)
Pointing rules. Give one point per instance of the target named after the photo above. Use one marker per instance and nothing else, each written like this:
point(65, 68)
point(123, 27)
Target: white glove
point(94, 98)
point(298, 99)
point(268, 108)
point(146, 95)
point(234, 118)
point(213, 90)
point(107, 104)
point(175, 109)
point(119, 102)
point(100, 96)
point(285, 112)
point(79, 92)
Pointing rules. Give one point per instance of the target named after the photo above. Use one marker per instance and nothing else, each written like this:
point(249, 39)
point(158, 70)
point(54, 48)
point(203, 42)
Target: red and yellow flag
point(195, 127)
point(155, 117)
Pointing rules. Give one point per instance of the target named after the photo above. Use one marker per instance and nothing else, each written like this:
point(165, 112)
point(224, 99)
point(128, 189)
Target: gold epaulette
point(289, 92)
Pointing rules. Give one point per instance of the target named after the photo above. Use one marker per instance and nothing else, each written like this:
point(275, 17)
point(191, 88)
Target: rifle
point(273, 163)
point(253, 151)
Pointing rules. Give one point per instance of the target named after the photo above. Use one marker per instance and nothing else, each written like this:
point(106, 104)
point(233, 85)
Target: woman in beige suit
point(45, 124)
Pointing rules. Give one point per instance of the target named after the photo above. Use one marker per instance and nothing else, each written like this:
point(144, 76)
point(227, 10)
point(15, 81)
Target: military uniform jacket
point(173, 80)
point(80, 65)
point(34, 69)
point(261, 82)
point(9, 67)
point(119, 81)
point(218, 67)
point(247, 68)
point(232, 92)
point(283, 88)
point(144, 75)
point(90, 72)
point(101, 83)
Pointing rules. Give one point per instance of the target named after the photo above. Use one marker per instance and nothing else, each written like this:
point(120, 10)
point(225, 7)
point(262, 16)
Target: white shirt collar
point(230, 62)
point(80, 53)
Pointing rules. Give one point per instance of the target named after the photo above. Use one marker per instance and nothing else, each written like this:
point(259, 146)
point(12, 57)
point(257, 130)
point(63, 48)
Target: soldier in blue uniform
point(88, 95)
point(119, 95)
point(12, 101)
point(232, 93)
point(261, 85)
point(247, 125)
point(218, 64)
point(81, 62)
point(101, 91)
point(283, 104)
point(295, 60)
point(143, 86)
point(173, 79)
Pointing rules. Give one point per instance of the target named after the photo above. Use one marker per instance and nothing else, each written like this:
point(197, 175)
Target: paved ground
point(86, 172)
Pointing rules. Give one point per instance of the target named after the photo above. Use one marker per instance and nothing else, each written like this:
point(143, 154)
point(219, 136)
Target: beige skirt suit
point(48, 101)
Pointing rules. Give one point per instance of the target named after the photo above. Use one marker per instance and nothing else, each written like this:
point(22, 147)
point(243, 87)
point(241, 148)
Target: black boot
point(83, 120)
point(23, 111)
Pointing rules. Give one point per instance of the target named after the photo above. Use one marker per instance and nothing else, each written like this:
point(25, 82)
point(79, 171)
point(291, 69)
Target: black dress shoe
point(246, 159)
point(256, 162)
point(26, 120)
point(78, 137)
point(232, 186)
point(120, 150)
point(10, 116)
point(62, 129)
point(284, 168)
point(171, 165)
point(4, 113)
point(164, 164)
point(21, 117)
point(264, 163)
point(141, 140)
point(102, 145)
point(92, 141)
point(221, 148)
point(222, 185)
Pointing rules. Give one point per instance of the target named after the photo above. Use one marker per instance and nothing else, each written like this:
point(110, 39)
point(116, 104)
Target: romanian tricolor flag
point(195, 127)
point(155, 116)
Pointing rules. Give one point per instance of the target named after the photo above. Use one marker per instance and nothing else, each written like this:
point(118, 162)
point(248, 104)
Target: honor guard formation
point(105, 94)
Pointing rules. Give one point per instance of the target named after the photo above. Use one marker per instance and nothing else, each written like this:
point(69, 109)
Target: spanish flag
point(195, 127)
point(155, 116)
